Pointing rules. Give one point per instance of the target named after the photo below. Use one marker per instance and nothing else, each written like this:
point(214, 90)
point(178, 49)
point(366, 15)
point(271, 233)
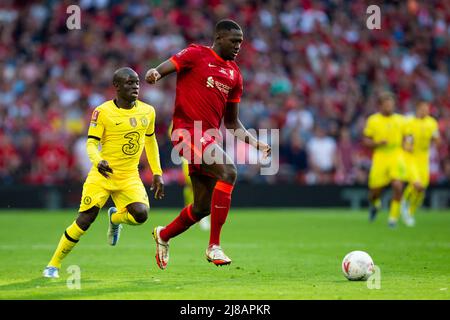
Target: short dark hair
point(386, 95)
point(122, 73)
point(226, 24)
point(421, 102)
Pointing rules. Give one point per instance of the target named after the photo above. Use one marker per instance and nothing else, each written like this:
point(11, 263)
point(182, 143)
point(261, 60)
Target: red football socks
point(220, 205)
point(181, 223)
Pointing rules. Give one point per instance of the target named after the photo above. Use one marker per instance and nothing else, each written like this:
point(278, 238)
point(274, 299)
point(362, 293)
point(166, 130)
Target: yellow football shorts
point(386, 168)
point(418, 168)
point(123, 189)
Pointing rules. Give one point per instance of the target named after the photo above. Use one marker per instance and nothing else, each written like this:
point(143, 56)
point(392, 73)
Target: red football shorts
point(191, 145)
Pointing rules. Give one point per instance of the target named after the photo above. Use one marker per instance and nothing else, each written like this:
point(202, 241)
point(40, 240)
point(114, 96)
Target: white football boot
point(216, 255)
point(407, 218)
point(113, 229)
point(162, 249)
point(51, 272)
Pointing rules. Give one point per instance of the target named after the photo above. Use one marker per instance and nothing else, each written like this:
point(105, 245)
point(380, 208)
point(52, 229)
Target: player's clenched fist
point(103, 167)
point(152, 76)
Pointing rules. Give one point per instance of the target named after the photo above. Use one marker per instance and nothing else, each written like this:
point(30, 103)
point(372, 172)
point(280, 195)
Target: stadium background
point(310, 68)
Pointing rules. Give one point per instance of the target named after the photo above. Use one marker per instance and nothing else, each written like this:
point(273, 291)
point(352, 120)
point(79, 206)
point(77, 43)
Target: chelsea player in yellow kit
point(123, 127)
point(384, 133)
point(421, 131)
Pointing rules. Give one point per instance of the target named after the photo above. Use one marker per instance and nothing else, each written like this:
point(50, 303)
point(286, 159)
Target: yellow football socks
point(123, 216)
point(416, 202)
point(394, 212)
point(68, 240)
point(408, 193)
point(414, 198)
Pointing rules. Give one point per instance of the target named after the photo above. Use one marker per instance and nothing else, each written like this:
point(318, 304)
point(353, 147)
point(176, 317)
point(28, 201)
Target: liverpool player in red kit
point(209, 87)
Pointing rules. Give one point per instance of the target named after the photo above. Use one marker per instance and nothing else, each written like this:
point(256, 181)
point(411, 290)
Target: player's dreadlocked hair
point(226, 24)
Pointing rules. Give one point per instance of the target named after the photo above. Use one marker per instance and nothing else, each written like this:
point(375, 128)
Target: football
point(357, 265)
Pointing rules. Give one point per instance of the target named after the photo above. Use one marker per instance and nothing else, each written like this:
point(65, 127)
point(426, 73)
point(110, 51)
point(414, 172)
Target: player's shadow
point(32, 283)
point(39, 283)
point(59, 290)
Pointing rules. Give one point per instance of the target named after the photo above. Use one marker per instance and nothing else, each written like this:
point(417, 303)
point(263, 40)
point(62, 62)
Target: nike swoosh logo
point(217, 207)
point(118, 123)
point(211, 65)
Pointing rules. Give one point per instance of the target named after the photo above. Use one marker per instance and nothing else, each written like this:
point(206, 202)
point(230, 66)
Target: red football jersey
point(205, 83)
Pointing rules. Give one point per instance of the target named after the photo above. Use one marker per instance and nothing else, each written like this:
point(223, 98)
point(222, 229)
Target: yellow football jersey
point(390, 128)
point(422, 132)
point(121, 133)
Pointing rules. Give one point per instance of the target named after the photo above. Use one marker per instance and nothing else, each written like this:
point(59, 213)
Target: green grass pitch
point(277, 254)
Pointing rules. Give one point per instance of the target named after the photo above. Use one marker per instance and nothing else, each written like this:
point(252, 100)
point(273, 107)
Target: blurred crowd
point(311, 69)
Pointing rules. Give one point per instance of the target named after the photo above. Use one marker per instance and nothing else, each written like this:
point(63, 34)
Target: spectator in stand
point(52, 163)
point(296, 158)
point(445, 178)
point(322, 157)
point(26, 148)
point(9, 160)
point(82, 163)
point(345, 158)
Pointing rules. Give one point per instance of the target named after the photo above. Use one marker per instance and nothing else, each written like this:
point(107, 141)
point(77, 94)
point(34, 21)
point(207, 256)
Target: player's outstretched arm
point(154, 74)
point(232, 122)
